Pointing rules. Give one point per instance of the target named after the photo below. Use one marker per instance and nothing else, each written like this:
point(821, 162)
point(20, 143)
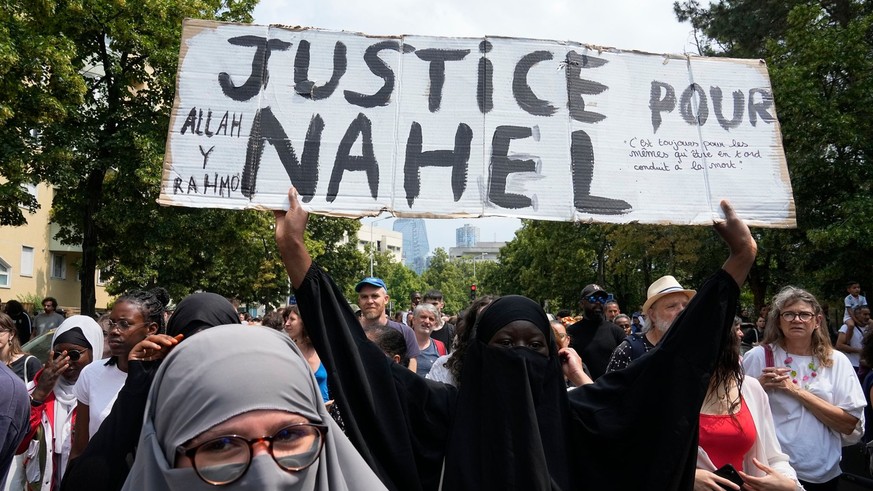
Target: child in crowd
point(853, 299)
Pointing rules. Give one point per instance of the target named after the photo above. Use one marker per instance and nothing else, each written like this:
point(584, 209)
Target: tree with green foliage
point(552, 261)
point(39, 82)
point(86, 97)
point(333, 243)
point(820, 59)
point(106, 90)
point(448, 277)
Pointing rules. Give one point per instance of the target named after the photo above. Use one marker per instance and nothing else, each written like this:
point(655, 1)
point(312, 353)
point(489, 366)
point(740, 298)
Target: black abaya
point(511, 425)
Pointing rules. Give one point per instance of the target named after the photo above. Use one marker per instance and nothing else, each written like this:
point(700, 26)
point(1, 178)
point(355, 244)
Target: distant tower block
point(466, 236)
point(415, 245)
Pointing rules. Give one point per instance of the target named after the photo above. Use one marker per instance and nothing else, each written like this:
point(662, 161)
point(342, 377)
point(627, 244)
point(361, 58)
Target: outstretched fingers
point(743, 248)
point(290, 229)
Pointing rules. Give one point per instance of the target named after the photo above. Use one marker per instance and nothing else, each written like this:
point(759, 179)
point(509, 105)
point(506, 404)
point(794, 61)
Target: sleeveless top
point(727, 439)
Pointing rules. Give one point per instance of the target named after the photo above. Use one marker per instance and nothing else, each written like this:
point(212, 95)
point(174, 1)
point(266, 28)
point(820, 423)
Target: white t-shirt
point(440, 372)
point(852, 302)
point(857, 341)
point(814, 448)
point(98, 386)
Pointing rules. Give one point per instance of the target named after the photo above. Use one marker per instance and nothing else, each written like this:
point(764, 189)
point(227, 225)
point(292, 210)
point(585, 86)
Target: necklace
point(806, 379)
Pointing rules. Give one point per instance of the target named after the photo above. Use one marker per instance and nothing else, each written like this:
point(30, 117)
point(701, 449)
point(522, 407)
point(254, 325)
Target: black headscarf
point(512, 421)
point(199, 311)
point(509, 309)
point(73, 336)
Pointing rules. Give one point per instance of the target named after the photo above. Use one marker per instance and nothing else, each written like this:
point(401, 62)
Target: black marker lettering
point(190, 121)
point(687, 111)
point(177, 185)
point(192, 185)
point(485, 87)
point(577, 86)
point(266, 128)
point(206, 153)
point(224, 186)
point(208, 120)
point(206, 184)
point(438, 59)
point(236, 124)
point(199, 121)
point(658, 104)
point(260, 75)
point(458, 159)
point(524, 95)
point(306, 87)
point(501, 166)
point(381, 70)
point(345, 162)
point(582, 158)
point(760, 108)
point(222, 125)
point(715, 93)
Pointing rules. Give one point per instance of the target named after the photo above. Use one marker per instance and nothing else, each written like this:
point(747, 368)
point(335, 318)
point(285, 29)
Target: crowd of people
point(501, 396)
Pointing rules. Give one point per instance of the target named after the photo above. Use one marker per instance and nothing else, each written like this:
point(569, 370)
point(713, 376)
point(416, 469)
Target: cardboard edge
point(190, 29)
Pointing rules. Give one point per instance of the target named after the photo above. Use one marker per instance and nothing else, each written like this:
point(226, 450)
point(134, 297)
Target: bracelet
point(35, 403)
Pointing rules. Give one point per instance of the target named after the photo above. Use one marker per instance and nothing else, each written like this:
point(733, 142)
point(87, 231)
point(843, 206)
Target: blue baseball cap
point(372, 281)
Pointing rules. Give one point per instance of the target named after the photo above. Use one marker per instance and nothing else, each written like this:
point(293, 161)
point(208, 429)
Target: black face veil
point(513, 421)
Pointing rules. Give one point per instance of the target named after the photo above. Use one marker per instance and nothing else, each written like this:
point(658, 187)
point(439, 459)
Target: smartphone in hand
point(728, 472)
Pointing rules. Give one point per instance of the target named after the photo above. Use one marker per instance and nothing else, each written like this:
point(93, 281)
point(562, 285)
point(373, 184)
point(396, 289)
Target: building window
point(100, 279)
point(5, 272)
point(31, 189)
point(26, 261)
point(59, 266)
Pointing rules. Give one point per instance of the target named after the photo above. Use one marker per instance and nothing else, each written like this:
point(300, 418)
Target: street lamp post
point(482, 257)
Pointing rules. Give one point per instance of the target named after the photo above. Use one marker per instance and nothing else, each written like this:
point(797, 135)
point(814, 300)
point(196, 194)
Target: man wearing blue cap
point(373, 299)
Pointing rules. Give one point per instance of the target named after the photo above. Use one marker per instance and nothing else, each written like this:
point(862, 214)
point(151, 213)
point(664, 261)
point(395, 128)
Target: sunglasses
point(601, 299)
point(73, 354)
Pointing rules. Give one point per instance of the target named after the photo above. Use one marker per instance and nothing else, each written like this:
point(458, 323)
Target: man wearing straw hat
point(665, 298)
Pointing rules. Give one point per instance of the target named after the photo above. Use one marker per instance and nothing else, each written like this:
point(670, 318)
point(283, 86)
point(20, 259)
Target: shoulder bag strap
point(26, 377)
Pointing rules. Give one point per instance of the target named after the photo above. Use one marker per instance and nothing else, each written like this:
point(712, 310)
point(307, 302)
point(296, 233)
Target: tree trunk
point(90, 241)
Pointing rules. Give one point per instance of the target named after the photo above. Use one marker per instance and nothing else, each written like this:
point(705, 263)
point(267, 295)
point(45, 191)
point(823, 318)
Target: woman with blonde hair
point(815, 396)
point(12, 355)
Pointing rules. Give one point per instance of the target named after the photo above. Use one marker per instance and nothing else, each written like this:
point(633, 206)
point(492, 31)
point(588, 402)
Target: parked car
point(40, 346)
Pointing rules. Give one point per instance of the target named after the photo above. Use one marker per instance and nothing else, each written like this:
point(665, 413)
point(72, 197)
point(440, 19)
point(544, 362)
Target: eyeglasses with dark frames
point(72, 353)
point(225, 459)
point(122, 325)
point(789, 316)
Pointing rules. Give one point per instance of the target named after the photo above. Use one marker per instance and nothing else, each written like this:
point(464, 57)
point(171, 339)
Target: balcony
point(55, 245)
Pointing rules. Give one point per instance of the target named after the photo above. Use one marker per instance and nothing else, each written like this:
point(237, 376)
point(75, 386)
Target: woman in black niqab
point(512, 394)
point(509, 425)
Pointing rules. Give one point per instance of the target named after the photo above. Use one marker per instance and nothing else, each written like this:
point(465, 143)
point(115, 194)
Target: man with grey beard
point(665, 299)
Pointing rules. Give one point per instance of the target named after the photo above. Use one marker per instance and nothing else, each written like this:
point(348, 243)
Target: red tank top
point(727, 440)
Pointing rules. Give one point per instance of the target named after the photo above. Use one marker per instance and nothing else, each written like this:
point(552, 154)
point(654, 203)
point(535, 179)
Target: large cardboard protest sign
point(462, 127)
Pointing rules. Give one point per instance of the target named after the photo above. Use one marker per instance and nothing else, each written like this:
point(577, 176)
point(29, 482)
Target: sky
point(643, 25)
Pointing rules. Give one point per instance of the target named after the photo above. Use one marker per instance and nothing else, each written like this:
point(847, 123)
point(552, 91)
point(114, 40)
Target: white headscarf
point(226, 371)
point(65, 400)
